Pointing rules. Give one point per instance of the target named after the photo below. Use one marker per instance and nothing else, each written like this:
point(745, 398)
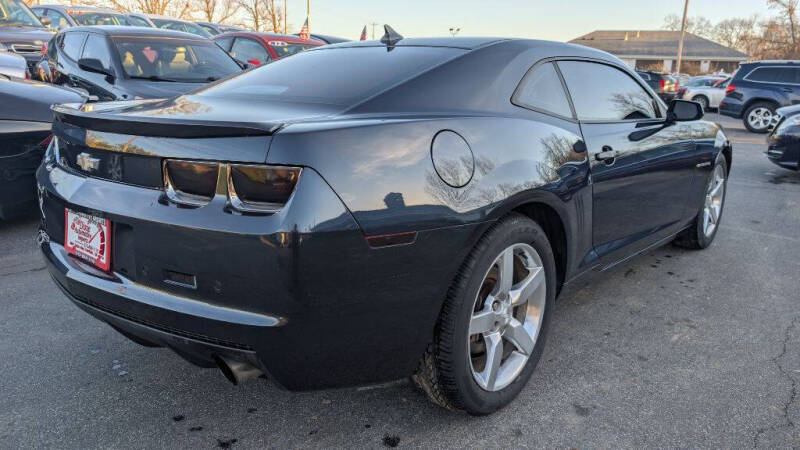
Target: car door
point(248, 50)
point(642, 168)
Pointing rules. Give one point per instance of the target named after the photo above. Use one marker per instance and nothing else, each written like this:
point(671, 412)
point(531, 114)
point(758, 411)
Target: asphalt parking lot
point(672, 349)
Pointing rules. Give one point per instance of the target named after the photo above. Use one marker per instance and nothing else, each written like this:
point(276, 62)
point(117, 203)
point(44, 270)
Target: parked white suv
point(707, 91)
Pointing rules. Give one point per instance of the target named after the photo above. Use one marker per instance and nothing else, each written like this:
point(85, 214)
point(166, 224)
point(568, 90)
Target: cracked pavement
point(672, 349)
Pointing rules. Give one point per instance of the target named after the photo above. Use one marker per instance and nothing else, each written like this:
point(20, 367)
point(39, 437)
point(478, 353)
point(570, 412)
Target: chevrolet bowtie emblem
point(87, 163)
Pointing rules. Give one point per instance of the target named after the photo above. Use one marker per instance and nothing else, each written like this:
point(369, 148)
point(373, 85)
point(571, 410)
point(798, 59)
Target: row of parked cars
point(53, 54)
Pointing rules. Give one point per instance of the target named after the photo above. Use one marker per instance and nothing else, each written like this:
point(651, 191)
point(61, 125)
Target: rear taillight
point(251, 188)
point(46, 142)
point(663, 83)
point(190, 183)
point(730, 89)
point(261, 189)
point(44, 48)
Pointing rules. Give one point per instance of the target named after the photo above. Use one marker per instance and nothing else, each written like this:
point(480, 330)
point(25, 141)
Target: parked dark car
point(13, 65)
point(783, 142)
point(21, 32)
point(260, 48)
point(25, 120)
point(414, 210)
point(757, 89)
point(139, 20)
point(218, 28)
point(664, 85)
point(170, 23)
point(326, 38)
point(124, 63)
point(61, 17)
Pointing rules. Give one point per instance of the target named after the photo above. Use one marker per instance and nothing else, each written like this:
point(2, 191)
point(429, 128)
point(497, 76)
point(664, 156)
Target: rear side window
point(775, 75)
point(97, 48)
point(137, 21)
point(542, 89)
point(250, 51)
point(603, 92)
point(72, 43)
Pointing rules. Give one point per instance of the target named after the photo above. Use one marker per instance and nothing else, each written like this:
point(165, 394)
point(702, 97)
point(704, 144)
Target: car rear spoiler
point(171, 127)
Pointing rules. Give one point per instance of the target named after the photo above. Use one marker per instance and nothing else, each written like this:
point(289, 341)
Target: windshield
point(169, 59)
point(350, 74)
point(98, 18)
point(186, 27)
point(284, 49)
point(14, 13)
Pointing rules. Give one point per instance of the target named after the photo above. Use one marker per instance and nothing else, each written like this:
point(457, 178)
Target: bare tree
point(174, 8)
point(699, 26)
point(219, 11)
point(780, 34)
point(262, 15)
point(739, 33)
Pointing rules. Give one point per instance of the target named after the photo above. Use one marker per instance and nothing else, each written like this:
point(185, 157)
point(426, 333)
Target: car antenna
point(390, 37)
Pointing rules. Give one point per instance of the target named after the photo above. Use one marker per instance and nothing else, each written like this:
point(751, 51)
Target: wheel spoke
point(483, 321)
point(716, 188)
point(494, 355)
point(714, 213)
point(506, 265)
point(518, 335)
point(527, 286)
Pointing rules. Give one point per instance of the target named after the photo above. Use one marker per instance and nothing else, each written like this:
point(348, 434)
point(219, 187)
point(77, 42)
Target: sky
point(559, 20)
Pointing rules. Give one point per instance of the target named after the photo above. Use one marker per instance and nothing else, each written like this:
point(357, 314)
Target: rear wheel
point(705, 225)
point(758, 116)
point(493, 325)
point(703, 100)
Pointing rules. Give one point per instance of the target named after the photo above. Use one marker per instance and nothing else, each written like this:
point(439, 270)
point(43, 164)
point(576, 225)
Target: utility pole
point(454, 31)
point(374, 24)
point(308, 14)
point(285, 16)
point(683, 34)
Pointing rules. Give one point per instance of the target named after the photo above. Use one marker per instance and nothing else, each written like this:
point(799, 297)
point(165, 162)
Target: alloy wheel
point(759, 118)
point(715, 195)
point(703, 102)
point(507, 317)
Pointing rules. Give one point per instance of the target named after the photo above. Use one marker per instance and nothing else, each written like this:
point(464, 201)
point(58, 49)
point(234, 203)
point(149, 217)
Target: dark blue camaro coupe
point(369, 211)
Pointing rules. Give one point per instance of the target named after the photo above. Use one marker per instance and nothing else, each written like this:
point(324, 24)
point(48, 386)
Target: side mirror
point(94, 65)
point(684, 111)
point(45, 21)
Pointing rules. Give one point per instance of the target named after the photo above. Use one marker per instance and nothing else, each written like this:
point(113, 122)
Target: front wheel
point(703, 229)
point(492, 328)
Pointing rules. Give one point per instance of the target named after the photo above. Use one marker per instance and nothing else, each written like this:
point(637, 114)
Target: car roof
point(270, 37)
point(67, 8)
point(160, 17)
point(112, 30)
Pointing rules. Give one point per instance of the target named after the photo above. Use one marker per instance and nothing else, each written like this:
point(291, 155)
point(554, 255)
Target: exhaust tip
point(235, 371)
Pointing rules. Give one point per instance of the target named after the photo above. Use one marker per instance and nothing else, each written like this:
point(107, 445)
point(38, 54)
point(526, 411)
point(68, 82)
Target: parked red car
point(260, 48)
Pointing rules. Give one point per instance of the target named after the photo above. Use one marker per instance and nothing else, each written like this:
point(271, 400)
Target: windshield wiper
point(152, 78)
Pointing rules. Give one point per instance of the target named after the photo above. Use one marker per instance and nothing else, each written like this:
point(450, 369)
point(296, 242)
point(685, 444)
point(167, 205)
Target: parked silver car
point(707, 91)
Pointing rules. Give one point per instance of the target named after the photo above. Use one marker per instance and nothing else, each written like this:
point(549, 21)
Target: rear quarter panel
point(383, 171)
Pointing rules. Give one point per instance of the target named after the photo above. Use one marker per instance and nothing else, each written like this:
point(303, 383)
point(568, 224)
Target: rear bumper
point(298, 294)
point(731, 107)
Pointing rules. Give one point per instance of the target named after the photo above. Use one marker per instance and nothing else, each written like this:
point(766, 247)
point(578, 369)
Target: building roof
point(657, 44)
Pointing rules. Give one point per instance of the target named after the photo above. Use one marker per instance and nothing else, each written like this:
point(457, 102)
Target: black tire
point(702, 99)
point(694, 237)
point(760, 129)
point(444, 371)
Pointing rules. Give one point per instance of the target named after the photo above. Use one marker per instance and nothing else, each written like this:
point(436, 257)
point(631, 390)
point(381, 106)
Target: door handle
point(608, 154)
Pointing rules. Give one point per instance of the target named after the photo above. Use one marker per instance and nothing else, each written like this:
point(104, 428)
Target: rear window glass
point(93, 18)
point(338, 76)
point(284, 49)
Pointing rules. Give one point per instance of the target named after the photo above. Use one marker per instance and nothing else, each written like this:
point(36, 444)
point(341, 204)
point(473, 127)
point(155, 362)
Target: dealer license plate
point(89, 238)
